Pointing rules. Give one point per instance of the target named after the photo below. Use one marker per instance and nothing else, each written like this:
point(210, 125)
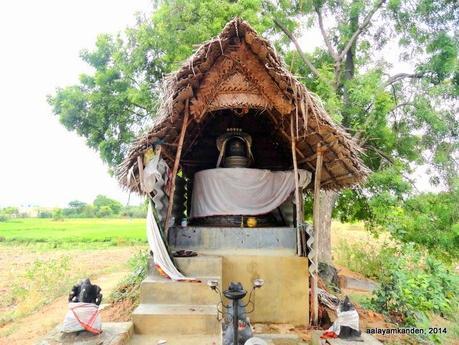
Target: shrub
point(412, 284)
point(134, 211)
point(3, 218)
point(415, 285)
point(129, 287)
point(366, 258)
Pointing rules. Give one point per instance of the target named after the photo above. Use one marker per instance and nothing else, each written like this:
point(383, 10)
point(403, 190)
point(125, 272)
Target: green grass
point(109, 231)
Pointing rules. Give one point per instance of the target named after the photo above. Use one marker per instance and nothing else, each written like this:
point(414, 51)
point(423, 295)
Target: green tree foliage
point(104, 206)
point(403, 117)
point(10, 211)
point(45, 214)
point(110, 106)
point(77, 205)
point(104, 212)
point(429, 220)
point(58, 214)
point(75, 209)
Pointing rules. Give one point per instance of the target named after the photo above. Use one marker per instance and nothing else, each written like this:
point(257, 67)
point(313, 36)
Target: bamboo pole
point(316, 224)
point(175, 168)
point(140, 167)
point(299, 216)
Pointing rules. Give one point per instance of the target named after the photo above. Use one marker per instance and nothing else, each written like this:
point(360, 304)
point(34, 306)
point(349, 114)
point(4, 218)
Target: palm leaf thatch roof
point(240, 70)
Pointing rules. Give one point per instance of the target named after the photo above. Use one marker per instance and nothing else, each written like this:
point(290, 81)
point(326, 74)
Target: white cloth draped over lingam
point(221, 191)
point(242, 191)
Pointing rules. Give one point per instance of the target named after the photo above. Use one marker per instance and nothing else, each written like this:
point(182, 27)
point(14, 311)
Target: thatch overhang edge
point(184, 84)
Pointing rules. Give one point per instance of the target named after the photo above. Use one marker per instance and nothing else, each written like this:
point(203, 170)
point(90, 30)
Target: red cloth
point(328, 335)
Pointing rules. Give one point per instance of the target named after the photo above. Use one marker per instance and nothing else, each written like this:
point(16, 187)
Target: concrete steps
point(197, 266)
point(179, 312)
point(159, 290)
point(176, 319)
point(176, 339)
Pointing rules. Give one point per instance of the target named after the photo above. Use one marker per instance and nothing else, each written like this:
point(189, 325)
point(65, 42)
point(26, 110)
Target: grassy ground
point(35, 284)
point(108, 231)
point(31, 278)
point(40, 259)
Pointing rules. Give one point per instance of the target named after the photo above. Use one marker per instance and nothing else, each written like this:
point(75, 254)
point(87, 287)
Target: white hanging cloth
point(242, 191)
point(161, 257)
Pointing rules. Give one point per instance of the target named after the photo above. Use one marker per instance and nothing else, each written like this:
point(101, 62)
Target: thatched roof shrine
point(238, 80)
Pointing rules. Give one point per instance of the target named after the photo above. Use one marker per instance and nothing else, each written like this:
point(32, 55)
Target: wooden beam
point(298, 207)
point(314, 156)
point(337, 179)
point(175, 169)
point(316, 224)
point(166, 154)
point(292, 139)
point(140, 167)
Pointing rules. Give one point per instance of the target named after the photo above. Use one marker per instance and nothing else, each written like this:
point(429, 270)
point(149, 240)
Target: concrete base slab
point(357, 284)
point(113, 333)
point(175, 340)
point(281, 339)
point(159, 290)
point(176, 319)
point(367, 339)
point(196, 266)
point(215, 238)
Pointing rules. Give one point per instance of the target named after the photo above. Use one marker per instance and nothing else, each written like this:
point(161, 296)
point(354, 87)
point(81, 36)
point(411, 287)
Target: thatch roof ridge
point(183, 85)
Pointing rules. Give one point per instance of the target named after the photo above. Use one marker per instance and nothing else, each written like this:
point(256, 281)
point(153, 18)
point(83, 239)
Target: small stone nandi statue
point(86, 292)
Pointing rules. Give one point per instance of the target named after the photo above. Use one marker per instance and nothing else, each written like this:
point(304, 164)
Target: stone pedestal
point(284, 296)
point(250, 253)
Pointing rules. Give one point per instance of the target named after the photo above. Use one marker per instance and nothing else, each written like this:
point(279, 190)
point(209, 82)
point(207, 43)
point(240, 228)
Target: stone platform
point(281, 339)
point(366, 339)
point(113, 333)
point(205, 239)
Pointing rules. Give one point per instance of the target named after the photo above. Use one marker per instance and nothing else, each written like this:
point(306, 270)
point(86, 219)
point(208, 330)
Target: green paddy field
point(109, 231)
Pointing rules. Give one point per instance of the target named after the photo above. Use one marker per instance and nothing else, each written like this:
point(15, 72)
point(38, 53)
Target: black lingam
point(86, 292)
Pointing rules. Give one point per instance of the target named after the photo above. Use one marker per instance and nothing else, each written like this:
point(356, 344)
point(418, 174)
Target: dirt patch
point(343, 271)
point(118, 312)
point(271, 328)
point(106, 267)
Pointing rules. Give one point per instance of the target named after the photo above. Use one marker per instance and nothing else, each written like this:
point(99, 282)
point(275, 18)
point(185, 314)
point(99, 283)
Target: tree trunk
point(328, 199)
point(327, 202)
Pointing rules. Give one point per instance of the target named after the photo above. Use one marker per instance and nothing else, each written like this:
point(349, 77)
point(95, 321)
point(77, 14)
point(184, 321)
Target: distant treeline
point(102, 207)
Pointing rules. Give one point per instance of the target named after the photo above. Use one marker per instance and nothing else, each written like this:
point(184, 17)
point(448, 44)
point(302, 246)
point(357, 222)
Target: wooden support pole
point(316, 224)
point(298, 208)
point(140, 167)
point(175, 168)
